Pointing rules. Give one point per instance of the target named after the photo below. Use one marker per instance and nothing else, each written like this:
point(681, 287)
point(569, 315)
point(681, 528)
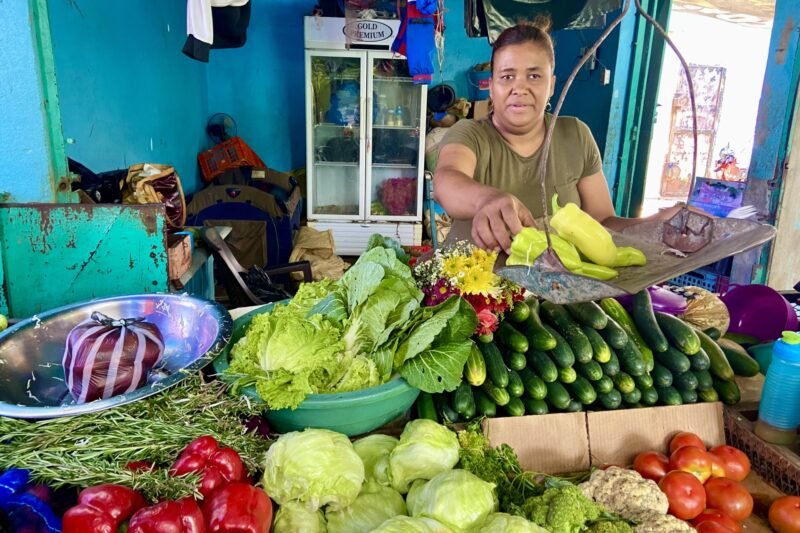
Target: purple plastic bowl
point(759, 311)
point(664, 300)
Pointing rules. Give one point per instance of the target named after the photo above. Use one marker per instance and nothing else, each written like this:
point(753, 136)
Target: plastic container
point(663, 300)
point(351, 413)
point(479, 81)
point(759, 311)
point(229, 154)
point(779, 410)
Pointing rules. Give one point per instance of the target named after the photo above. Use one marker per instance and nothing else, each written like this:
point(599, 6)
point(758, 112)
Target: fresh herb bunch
point(97, 448)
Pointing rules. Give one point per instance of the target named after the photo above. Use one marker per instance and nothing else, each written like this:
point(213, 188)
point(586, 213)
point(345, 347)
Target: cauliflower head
point(625, 493)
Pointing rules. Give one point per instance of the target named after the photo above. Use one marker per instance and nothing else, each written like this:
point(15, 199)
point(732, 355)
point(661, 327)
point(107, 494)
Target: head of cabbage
point(374, 451)
point(456, 498)
point(293, 517)
point(506, 523)
point(374, 506)
point(404, 524)
point(425, 449)
point(316, 467)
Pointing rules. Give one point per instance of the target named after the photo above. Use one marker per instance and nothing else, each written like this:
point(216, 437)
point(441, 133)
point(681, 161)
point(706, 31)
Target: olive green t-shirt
point(573, 155)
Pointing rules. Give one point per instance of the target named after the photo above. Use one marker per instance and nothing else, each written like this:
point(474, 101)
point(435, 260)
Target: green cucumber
point(425, 407)
point(645, 381)
point(515, 387)
point(519, 313)
point(574, 406)
point(604, 385)
point(557, 395)
point(447, 414)
point(475, 367)
point(582, 390)
point(514, 407)
point(728, 391)
point(567, 375)
point(631, 360)
point(615, 310)
point(535, 387)
point(632, 397)
point(688, 396)
point(484, 406)
point(611, 368)
point(675, 360)
point(624, 383)
point(543, 365)
point(469, 414)
point(713, 332)
point(614, 334)
point(591, 370)
point(704, 379)
point(700, 360)
point(669, 396)
point(508, 336)
point(515, 360)
point(486, 337)
point(610, 400)
point(662, 377)
point(708, 395)
point(741, 362)
point(533, 329)
point(588, 314)
point(649, 396)
point(645, 320)
point(463, 399)
point(720, 366)
point(741, 339)
point(562, 354)
point(600, 350)
point(686, 381)
point(497, 394)
point(534, 407)
point(680, 334)
point(496, 370)
point(569, 329)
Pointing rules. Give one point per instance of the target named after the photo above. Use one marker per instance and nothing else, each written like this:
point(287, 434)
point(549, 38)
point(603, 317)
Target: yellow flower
point(453, 266)
point(477, 281)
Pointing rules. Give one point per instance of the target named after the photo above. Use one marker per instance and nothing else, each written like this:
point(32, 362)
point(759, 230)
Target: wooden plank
point(56, 254)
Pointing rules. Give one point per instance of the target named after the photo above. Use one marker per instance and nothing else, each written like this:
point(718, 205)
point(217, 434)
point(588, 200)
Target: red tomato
point(684, 438)
point(734, 460)
point(714, 527)
point(722, 521)
point(685, 493)
point(784, 514)
point(693, 460)
point(717, 466)
point(730, 497)
point(651, 465)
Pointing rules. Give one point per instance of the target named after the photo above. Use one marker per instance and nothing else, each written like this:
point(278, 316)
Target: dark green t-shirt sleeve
point(465, 132)
point(593, 163)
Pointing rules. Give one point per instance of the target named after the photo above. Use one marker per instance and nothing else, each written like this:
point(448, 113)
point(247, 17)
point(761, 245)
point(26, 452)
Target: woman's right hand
point(500, 216)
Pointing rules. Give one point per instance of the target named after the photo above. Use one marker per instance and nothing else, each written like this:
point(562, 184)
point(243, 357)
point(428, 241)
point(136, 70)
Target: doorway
point(726, 44)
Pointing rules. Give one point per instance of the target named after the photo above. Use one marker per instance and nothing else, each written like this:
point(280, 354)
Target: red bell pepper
point(181, 516)
point(238, 508)
point(102, 509)
point(217, 465)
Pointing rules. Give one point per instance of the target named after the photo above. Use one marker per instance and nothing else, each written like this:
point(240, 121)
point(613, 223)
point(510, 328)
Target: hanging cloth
point(416, 38)
point(215, 24)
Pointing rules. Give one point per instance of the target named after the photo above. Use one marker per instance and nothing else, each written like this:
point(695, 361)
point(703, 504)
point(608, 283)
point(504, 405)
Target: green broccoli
point(562, 510)
point(610, 526)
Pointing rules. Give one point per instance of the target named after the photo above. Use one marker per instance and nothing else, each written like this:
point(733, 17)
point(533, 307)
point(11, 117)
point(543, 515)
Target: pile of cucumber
point(547, 358)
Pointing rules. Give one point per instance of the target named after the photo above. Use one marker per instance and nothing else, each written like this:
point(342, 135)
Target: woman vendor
point(487, 168)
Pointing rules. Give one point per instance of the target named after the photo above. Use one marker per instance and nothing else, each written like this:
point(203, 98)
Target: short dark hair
point(537, 32)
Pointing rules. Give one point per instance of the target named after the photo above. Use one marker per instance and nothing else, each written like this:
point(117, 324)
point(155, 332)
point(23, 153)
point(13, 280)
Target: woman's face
point(522, 83)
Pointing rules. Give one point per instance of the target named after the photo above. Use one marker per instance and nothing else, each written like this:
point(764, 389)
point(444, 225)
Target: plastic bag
point(105, 357)
point(156, 184)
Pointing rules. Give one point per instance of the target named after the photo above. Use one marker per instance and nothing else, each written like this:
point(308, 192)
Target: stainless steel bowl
point(32, 377)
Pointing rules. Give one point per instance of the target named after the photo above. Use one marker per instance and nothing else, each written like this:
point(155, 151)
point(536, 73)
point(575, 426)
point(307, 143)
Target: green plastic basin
point(351, 413)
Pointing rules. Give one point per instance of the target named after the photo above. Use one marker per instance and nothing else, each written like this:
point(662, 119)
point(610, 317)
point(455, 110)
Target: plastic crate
point(705, 280)
point(229, 154)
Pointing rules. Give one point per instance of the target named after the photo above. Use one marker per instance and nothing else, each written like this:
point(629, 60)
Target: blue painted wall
point(24, 159)
point(587, 99)
point(262, 85)
point(128, 95)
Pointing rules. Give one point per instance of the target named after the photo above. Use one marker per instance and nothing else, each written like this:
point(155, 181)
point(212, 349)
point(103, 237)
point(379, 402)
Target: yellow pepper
point(530, 243)
point(587, 234)
point(629, 256)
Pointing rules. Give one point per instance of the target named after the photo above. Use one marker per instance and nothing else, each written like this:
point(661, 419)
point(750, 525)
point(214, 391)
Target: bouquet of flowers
point(466, 270)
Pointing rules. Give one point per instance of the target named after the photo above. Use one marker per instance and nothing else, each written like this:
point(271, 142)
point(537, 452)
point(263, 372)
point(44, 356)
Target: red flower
point(487, 322)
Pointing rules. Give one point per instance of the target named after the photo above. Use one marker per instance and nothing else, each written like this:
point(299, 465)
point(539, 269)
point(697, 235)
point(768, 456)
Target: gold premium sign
point(368, 31)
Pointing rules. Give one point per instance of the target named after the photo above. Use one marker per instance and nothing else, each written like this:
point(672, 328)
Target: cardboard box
point(480, 109)
point(573, 442)
point(179, 255)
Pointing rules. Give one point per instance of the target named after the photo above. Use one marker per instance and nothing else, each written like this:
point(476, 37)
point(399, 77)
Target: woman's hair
point(537, 32)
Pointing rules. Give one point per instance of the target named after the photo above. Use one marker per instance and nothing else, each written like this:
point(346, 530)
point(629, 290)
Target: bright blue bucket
point(479, 84)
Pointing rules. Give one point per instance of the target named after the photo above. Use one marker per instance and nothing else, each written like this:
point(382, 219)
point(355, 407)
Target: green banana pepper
point(530, 243)
point(629, 256)
point(588, 235)
point(590, 270)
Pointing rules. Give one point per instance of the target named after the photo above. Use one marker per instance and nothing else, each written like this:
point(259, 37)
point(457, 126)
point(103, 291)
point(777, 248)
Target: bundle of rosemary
point(97, 448)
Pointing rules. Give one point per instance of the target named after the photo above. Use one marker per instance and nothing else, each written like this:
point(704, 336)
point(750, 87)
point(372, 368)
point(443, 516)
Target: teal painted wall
point(24, 159)
point(262, 85)
point(128, 95)
point(587, 99)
